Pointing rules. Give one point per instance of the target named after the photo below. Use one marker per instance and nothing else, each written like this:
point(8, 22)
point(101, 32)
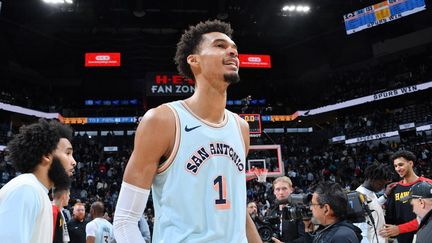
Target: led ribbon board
point(254, 121)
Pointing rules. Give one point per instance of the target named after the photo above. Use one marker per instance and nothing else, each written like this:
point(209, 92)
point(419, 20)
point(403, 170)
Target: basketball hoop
point(261, 174)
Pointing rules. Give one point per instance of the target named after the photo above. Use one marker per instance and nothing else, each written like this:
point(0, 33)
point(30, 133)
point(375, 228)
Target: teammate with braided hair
point(376, 177)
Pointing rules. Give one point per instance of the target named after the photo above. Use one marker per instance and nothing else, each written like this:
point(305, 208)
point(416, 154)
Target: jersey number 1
point(219, 185)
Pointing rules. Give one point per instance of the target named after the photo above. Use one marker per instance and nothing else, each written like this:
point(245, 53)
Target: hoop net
point(261, 174)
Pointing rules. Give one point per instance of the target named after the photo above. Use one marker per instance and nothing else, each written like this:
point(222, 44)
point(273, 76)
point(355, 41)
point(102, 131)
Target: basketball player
point(43, 153)
point(192, 152)
point(99, 230)
point(61, 198)
point(401, 220)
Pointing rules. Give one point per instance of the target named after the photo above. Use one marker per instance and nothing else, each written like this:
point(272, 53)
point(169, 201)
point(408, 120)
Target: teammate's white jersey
point(199, 193)
point(101, 229)
point(25, 211)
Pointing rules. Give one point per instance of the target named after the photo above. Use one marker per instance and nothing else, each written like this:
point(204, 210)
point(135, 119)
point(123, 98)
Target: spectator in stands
point(253, 211)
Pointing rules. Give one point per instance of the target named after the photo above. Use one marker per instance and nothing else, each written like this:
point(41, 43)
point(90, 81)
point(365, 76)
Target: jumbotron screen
point(381, 13)
point(254, 121)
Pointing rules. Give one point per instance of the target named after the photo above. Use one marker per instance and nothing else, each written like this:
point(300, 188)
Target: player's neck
point(410, 177)
point(208, 103)
point(42, 176)
point(58, 203)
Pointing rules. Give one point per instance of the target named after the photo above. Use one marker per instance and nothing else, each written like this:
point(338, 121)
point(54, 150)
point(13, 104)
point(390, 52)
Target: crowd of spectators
point(374, 76)
point(307, 158)
point(99, 174)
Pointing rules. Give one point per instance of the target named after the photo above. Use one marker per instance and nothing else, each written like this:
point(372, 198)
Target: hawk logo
point(187, 129)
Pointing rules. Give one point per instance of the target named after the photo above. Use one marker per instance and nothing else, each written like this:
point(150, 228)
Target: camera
point(297, 207)
point(267, 228)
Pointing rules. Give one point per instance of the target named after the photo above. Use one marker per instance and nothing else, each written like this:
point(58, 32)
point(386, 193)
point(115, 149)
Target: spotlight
point(58, 1)
point(296, 8)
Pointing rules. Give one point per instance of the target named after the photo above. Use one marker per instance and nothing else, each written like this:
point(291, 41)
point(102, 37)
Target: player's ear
point(46, 159)
point(193, 60)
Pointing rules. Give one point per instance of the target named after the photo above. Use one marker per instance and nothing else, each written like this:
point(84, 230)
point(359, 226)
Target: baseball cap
point(421, 189)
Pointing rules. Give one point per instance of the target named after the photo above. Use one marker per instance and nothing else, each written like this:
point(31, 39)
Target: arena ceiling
point(47, 43)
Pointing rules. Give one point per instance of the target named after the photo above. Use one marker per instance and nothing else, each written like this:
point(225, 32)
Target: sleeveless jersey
point(41, 230)
point(103, 230)
point(199, 193)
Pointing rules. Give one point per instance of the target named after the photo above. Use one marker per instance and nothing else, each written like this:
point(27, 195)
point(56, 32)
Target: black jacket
point(424, 233)
point(341, 232)
point(292, 230)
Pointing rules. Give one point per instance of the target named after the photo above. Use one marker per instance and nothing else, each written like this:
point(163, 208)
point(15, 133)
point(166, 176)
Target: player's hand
point(389, 188)
point(275, 240)
point(389, 230)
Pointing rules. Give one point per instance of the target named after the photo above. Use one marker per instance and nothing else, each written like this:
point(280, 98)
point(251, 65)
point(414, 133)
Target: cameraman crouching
point(329, 208)
point(288, 230)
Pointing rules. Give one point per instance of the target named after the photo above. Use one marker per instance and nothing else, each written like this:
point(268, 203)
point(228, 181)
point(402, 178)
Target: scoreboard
point(254, 121)
point(381, 13)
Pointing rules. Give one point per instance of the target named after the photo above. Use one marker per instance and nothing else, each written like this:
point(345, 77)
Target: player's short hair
point(98, 208)
point(191, 39)
point(332, 193)
point(284, 179)
point(58, 192)
point(34, 141)
point(408, 155)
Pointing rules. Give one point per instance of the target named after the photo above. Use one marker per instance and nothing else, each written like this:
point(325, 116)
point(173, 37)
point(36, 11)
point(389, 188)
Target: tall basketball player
point(192, 153)
point(42, 152)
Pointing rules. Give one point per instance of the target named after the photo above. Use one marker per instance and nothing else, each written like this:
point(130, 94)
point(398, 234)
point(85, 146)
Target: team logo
point(200, 156)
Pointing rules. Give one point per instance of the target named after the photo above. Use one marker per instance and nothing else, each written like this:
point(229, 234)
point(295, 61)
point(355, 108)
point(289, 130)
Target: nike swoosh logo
point(187, 129)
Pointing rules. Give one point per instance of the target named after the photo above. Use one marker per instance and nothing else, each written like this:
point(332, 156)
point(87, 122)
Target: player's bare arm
point(154, 140)
point(90, 239)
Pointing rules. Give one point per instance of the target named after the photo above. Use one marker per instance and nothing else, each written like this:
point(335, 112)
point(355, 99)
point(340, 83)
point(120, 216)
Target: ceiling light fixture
point(299, 8)
point(58, 1)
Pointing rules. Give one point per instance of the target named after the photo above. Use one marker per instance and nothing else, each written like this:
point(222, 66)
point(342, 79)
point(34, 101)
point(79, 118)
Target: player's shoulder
point(159, 116)
point(160, 113)
point(243, 124)
point(425, 179)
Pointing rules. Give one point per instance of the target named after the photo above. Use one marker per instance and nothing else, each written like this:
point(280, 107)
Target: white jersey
point(199, 193)
point(25, 211)
point(368, 231)
point(101, 229)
